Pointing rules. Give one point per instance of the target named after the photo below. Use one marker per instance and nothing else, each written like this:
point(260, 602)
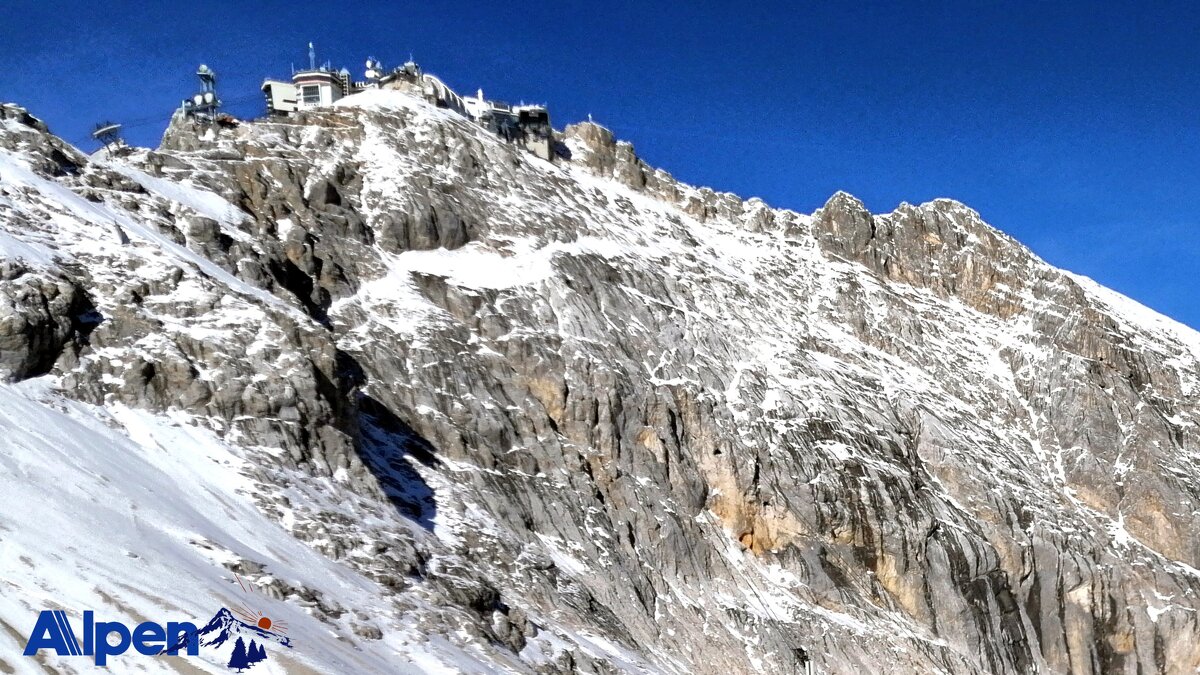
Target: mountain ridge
point(886, 443)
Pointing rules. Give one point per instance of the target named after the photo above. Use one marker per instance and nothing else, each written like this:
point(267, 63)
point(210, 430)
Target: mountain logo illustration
point(244, 642)
point(236, 635)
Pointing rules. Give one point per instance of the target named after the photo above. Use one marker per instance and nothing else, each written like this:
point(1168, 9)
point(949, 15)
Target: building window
point(310, 94)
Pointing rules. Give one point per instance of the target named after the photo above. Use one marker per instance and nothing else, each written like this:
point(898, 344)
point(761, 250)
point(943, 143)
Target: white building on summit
point(527, 126)
point(316, 87)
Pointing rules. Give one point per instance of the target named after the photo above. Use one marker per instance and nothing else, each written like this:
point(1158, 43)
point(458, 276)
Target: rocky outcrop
point(43, 318)
point(21, 116)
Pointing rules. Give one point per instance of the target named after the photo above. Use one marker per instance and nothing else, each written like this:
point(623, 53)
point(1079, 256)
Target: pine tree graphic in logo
point(243, 657)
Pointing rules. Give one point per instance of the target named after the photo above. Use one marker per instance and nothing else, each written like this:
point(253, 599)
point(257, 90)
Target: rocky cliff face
point(581, 417)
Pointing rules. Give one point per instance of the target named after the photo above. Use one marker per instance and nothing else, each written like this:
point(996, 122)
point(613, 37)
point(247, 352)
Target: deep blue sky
point(1074, 127)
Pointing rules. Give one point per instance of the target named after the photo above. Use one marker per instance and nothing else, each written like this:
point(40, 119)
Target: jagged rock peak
point(844, 201)
point(15, 113)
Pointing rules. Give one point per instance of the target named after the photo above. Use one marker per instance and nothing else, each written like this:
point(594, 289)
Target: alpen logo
point(234, 637)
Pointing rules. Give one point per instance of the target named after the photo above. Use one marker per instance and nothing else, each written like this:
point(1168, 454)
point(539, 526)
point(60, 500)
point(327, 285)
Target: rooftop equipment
point(204, 104)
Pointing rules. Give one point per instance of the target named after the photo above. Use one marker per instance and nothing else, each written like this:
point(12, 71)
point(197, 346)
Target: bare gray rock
point(41, 317)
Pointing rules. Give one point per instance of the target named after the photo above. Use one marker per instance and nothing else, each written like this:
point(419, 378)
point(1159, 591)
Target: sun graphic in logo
point(255, 617)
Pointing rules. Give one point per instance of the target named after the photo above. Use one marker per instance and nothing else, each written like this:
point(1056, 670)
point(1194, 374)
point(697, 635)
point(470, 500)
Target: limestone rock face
point(39, 317)
point(581, 417)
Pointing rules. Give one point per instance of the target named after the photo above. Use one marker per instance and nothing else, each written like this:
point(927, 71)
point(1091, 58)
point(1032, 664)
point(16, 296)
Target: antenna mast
point(204, 104)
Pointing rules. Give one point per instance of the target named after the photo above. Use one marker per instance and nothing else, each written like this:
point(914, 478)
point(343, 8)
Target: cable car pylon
point(109, 134)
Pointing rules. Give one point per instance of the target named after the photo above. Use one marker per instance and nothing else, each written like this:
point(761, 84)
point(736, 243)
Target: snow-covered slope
point(449, 406)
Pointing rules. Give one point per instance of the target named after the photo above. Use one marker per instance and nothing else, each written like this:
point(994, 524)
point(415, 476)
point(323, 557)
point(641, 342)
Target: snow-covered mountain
point(224, 627)
point(447, 407)
point(220, 636)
